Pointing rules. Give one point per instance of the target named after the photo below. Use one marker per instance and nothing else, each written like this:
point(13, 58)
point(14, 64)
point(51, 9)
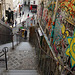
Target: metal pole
point(6, 59)
point(17, 39)
point(12, 41)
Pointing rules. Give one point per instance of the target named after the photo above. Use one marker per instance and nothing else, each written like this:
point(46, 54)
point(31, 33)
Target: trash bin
point(22, 31)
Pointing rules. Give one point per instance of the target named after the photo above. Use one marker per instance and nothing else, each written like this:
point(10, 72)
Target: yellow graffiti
point(67, 33)
point(71, 49)
point(63, 28)
point(64, 31)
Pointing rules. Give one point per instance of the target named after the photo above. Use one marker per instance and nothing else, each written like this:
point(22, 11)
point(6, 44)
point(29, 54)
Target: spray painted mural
point(60, 31)
point(64, 30)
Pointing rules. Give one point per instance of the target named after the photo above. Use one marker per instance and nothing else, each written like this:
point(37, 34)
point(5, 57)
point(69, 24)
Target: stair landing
point(21, 72)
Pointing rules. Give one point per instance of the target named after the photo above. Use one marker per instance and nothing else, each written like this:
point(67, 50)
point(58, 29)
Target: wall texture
point(5, 33)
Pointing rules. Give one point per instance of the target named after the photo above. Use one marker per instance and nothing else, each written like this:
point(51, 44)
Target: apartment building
point(4, 6)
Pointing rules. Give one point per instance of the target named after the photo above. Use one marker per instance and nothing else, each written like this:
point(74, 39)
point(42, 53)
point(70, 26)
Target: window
point(34, 6)
point(34, 2)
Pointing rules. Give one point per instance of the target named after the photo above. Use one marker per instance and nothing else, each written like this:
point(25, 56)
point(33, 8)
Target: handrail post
point(12, 41)
point(6, 60)
point(17, 38)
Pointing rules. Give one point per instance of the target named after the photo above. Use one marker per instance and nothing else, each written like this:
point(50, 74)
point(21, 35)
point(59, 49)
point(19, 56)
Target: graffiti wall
point(61, 31)
point(63, 39)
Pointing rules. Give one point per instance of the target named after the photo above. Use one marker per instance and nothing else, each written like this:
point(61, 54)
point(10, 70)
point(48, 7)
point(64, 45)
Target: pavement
point(23, 57)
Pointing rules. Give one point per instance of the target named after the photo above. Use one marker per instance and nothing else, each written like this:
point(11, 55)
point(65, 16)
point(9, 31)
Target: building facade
point(33, 5)
point(9, 3)
point(5, 5)
point(35, 2)
point(0, 9)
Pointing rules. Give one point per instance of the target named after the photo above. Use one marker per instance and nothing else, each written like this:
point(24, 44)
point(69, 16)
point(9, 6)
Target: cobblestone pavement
point(22, 58)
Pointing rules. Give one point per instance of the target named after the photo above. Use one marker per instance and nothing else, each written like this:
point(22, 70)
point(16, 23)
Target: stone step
point(20, 72)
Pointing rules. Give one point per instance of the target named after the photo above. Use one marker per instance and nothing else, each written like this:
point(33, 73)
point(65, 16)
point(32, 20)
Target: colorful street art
point(71, 49)
point(65, 18)
point(45, 14)
point(61, 28)
point(69, 7)
point(57, 31)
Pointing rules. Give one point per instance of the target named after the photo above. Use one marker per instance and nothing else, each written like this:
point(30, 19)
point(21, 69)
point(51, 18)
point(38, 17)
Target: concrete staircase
point(20, 72)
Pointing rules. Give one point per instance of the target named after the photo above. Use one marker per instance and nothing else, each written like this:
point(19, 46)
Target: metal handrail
point(48, 42)
point(5, 50)
point(1, 52)
point(52, 57)
point(1, 55)
point(42, 48)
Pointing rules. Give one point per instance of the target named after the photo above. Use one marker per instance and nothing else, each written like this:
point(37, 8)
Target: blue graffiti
point(57, 34)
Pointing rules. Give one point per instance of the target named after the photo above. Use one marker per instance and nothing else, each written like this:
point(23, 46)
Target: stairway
point(20, 72)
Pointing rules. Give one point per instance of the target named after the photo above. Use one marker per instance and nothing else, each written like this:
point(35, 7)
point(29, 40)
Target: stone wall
point(5, 33)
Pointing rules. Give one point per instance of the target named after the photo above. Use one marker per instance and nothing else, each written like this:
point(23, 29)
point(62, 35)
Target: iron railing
point(2, 53)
